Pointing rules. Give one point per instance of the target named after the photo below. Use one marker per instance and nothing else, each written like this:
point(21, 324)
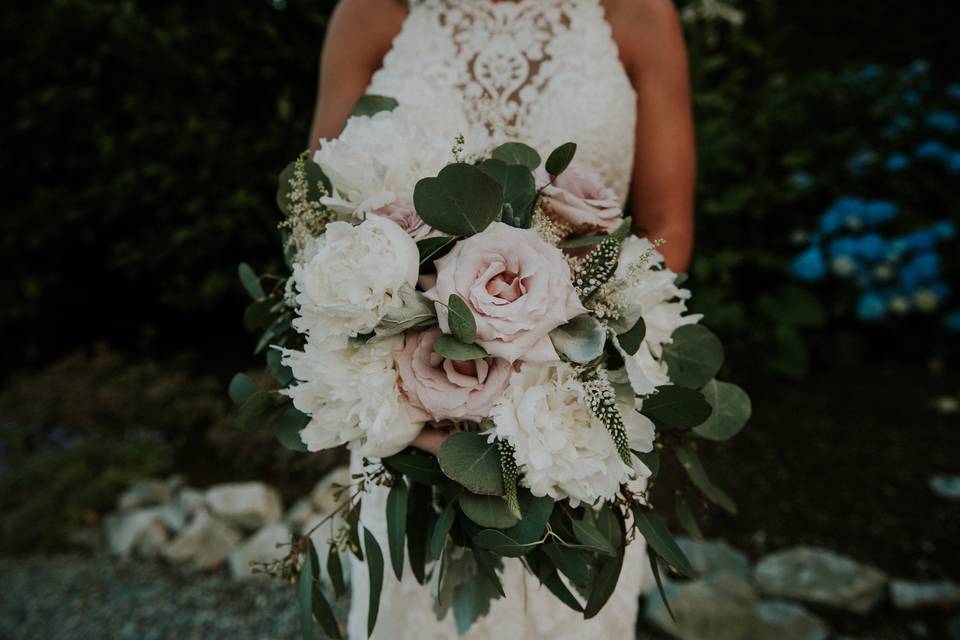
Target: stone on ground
point(146, 493)
point(205, 542)
point(725, 607)
point(299, 513)
point(261, 547)
point(713, 557)
point(246, 505)
point(822, 577)
point(908, 596)
point(125, 530)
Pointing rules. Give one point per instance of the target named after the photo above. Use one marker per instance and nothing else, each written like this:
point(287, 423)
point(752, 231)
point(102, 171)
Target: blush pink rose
point(435, 388)
point(516, 285)
point(402, 211)
point(581, 199)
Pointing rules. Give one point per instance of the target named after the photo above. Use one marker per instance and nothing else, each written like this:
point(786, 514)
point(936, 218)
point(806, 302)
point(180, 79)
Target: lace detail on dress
point(540, 71)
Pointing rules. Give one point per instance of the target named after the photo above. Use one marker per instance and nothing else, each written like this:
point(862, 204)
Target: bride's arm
point(358, 36)
point(650, 38)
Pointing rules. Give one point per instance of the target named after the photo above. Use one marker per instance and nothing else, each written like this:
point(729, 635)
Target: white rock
point(190, 500)
point(126, 529)
point(150, 545)
point(247, 505)
point(908, 595)
point(725, 607)
point(713, 557)
point(205, 542)
point(299, 513)
point(820, 576)
point(322, 494)
point(261, 547)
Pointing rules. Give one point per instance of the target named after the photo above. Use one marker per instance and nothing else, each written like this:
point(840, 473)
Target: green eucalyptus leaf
point(542, 565)
point(687, 520)
point(375, 573)
point(260, 410)
point(305, 598)
point(287, 428)
point(676, 408)
point(420, 468)
point(560, 158)
point(250, 281)
point(631, 340)
point(585, 241)
point(489, 512)
point(335, 571)
point(502, 544)
point(655, 532)
point(655, 566)
point(698, 476)
point(462, 324)
point(570, 562)
point(415, 311)
point(258, 315)
point(604, 585)
point(517, 153)
point(372, 104)
point(519, 190)
point(353, 522)
point(397, 501)
point(731, 411)
point(536, 511)
point(589, 535)
point(452, 349)
point(420, 521)
point(461, 201)
point(488, 566)
point(580, 340)
point(694, 356)
point(241, 388)
point(440, 530)
point(433, 248)
point(467, 458)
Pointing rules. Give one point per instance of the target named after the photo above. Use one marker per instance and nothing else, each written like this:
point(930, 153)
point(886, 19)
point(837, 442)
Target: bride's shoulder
point(645, 30)
point(367, 23)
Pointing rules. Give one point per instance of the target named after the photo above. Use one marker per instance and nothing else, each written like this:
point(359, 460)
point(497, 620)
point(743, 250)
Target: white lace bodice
point(538, 71)
point(542, 72)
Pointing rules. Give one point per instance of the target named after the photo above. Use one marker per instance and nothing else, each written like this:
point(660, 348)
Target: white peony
point(350, 279)
point(379, 159)
point(563, 451)
point(352, 398)
point(654, 296)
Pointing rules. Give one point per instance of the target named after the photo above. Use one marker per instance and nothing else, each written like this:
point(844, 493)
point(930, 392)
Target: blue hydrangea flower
point(945, 230)
point(917, 69)
point(932, 150)
point(871, 307)
point(923, 268)
point(946, 121)
point(879, 211)
point(929, 297)
point(871, 246)
point(810, 265)
point(953, 91)
point(897, 162)
point(840, 213)
point(911, 98)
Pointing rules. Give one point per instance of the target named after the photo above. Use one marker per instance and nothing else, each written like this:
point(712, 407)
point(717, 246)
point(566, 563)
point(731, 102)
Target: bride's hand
point(430, 439)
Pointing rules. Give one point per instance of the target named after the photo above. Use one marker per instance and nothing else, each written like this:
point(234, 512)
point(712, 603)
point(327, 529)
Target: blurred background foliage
point(141, 143)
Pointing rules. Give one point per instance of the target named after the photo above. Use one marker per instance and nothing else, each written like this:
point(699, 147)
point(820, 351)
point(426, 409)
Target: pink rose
point(581, 199)
point(435, 388)
point(517, 287)
point(402, 212)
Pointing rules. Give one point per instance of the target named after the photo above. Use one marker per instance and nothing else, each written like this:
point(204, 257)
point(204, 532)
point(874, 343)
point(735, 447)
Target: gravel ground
point(77, 597)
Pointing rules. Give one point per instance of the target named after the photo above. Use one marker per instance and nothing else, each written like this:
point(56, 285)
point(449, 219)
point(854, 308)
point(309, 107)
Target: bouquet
point(440, 281)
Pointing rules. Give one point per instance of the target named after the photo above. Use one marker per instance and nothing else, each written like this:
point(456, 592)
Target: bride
point(611, 75)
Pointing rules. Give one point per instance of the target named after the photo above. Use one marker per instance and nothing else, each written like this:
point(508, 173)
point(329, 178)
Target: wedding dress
point(542, 72)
